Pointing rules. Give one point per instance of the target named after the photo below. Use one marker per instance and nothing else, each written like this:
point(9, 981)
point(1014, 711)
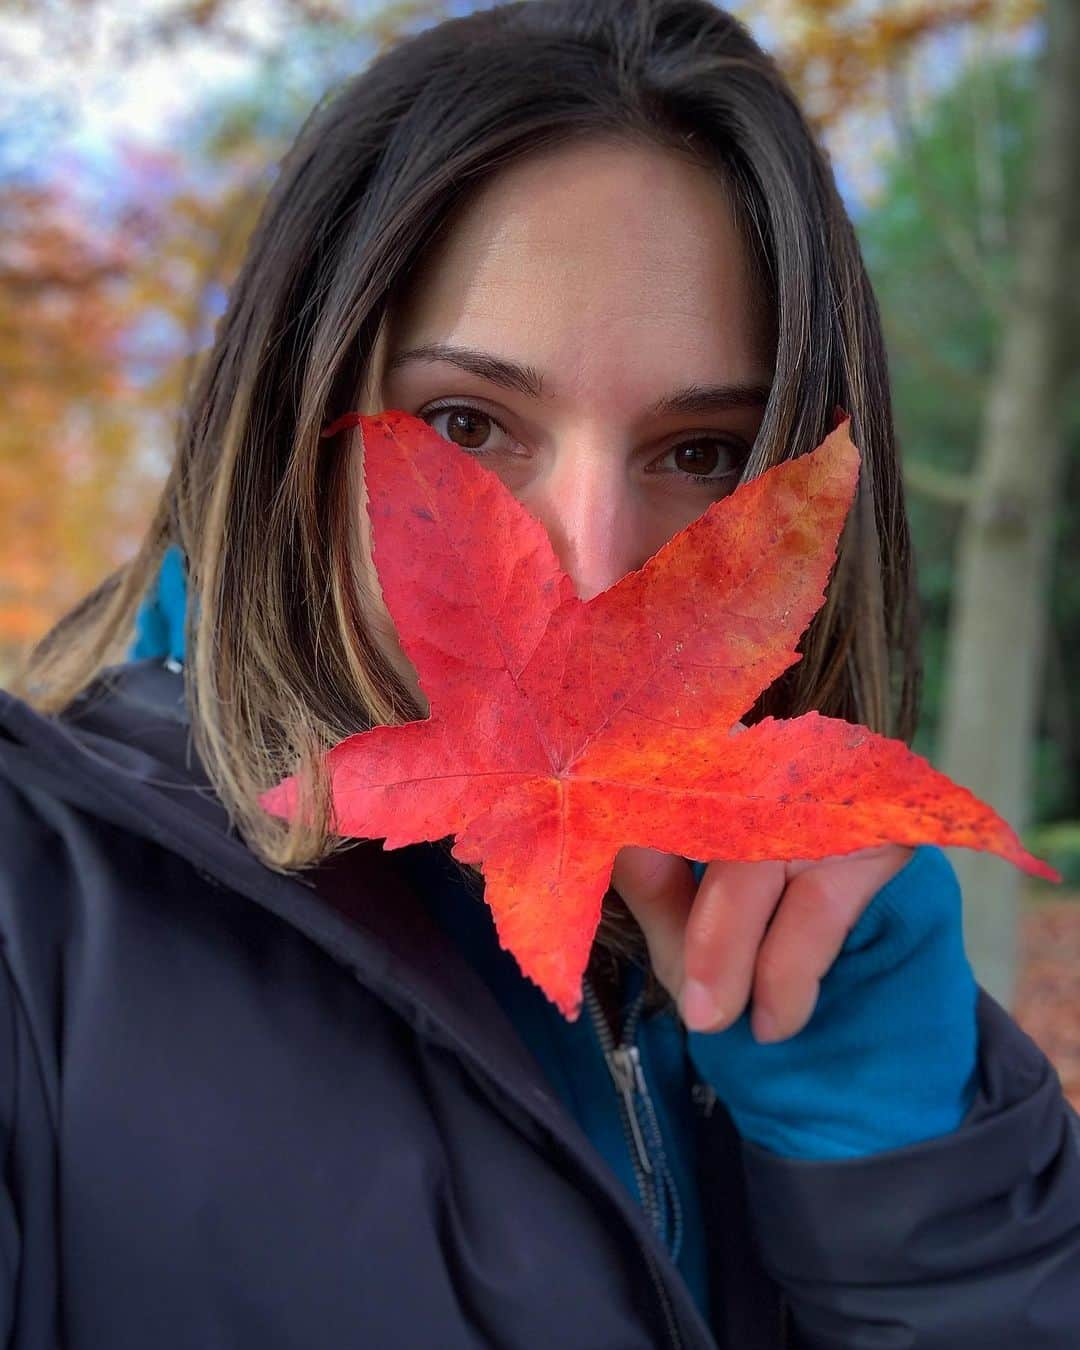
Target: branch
point(936, 485)
point(911, 342)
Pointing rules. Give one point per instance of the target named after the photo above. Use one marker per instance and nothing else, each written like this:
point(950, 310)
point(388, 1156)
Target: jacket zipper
point(624, 1064)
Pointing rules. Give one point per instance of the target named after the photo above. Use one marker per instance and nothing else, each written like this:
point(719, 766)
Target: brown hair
point(281, 663)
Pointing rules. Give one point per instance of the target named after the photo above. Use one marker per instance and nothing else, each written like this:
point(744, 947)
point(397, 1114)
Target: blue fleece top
point(887, 1059)
point(159, 624)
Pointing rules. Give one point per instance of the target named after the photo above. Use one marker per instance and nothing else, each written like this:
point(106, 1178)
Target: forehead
point(592, 259)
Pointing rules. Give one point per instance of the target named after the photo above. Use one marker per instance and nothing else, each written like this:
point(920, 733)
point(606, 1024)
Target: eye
point(469, 428)
point(709, 460)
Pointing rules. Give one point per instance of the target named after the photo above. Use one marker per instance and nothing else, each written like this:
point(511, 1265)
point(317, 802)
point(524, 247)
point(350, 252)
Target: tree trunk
point(997, 633)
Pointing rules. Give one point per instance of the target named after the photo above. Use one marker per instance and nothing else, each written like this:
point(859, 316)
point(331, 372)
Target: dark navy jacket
point(244, 1111)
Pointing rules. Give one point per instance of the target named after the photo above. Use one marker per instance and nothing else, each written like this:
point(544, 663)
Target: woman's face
point(588, 327)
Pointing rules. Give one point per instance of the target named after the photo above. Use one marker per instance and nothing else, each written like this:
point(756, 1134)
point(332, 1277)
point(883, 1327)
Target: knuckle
point(705, 920)
point(774, 973)
point(825, 903)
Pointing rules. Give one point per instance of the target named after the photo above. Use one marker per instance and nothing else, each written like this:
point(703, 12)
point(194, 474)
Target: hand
point(763, 930)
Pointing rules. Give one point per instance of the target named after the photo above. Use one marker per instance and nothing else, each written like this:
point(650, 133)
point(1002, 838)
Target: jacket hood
point(127, 737)
point(123, 753)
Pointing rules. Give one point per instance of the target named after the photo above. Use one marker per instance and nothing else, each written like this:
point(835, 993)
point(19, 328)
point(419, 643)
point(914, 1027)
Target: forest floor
point(1048, 988)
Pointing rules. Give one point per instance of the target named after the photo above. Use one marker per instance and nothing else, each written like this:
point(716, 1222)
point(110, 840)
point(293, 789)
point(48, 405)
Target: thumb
point(658, 889)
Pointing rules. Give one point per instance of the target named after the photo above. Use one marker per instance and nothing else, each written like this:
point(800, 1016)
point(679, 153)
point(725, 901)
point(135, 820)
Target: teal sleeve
point(888, 1057)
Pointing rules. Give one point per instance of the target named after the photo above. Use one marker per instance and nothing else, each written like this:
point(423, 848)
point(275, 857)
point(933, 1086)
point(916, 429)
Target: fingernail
point(699, 1009)
point(764, 1026)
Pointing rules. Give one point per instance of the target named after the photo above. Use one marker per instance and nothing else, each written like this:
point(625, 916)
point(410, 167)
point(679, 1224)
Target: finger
point(658, 889)
point(820, 906)
point(731, 912)
point(892, 857)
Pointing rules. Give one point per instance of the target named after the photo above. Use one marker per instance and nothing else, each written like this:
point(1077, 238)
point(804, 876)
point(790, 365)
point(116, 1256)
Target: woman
point(263, 1089)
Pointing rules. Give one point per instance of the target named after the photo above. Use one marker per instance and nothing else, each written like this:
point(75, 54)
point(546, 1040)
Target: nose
point(586, 503)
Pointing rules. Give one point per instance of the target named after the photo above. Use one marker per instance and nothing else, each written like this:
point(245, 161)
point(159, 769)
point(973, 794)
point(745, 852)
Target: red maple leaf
point(561, 729)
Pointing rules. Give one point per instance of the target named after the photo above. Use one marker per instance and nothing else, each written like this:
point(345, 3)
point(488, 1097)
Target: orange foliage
point(98, 320)
point(60, 335)
point(95, 327)
point(835, 51)
point(1047, 1001)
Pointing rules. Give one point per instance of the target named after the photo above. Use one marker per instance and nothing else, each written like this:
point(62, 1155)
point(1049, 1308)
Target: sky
point(74, 86)
point(81, 87)
point(79, 81)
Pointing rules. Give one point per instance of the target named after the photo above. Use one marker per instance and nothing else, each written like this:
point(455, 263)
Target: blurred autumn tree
point(101, 311)
point(840, 54)
point(65, 433)
point(943, 328)
point(94, 326)
point(981, 345)
point(1008, 530)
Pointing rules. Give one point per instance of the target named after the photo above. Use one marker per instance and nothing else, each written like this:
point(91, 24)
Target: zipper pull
point(624, 1061)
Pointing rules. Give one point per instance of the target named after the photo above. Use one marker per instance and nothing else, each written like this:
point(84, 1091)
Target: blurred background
point(137, 143)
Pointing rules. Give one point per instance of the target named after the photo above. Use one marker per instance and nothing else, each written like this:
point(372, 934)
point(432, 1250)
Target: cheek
point(653, 522)
point(664, 519)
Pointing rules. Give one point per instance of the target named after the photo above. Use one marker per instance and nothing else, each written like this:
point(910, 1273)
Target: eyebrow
point(508, 374)
point(694, 398)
